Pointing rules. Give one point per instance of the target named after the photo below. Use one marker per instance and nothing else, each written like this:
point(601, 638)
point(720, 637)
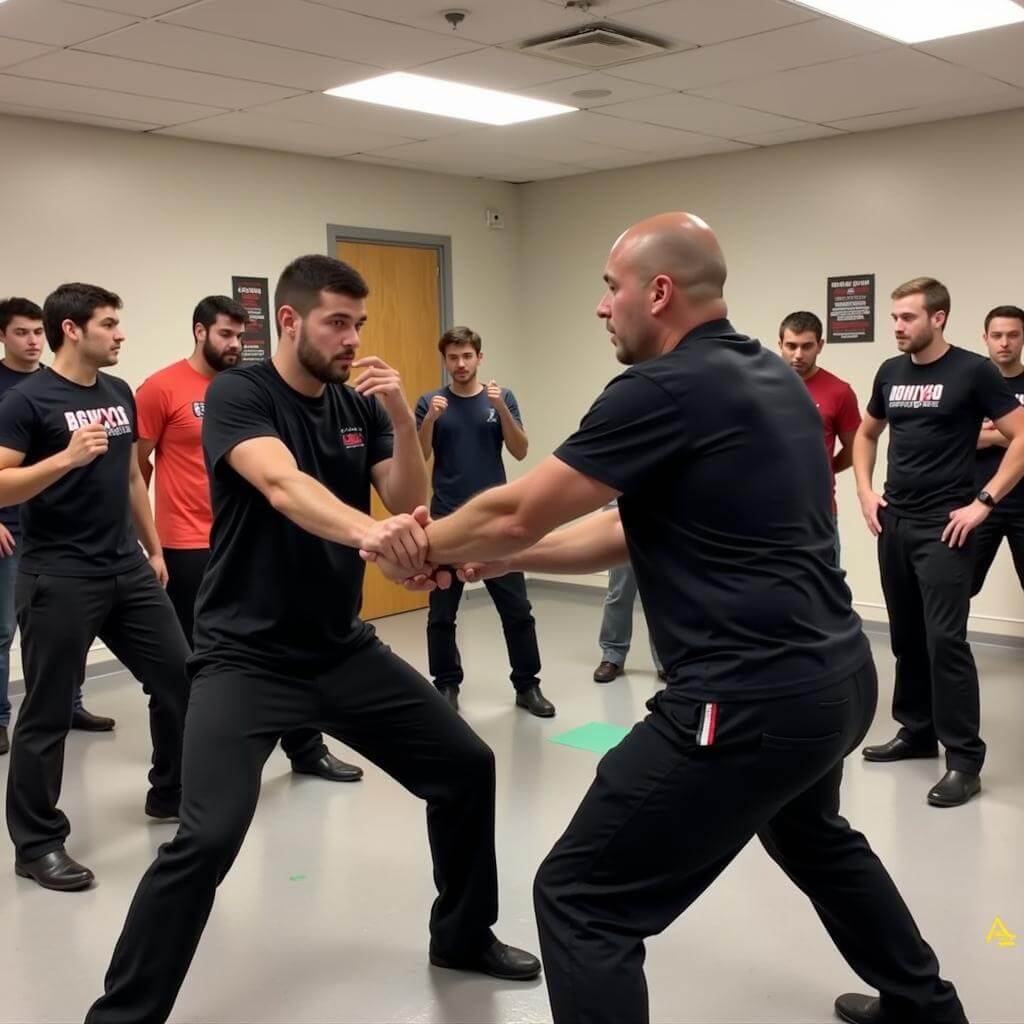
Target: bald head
point(678, 245)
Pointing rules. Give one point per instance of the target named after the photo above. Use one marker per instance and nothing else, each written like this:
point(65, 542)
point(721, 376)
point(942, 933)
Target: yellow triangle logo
point(1001, 934)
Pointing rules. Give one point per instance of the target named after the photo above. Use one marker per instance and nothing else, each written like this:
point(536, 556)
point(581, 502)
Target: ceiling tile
point(620, 90)
point(140, 8)
point(245, 129)
point(488, 21)
point(347, 115)
point(694, 114)
point(323, 30)
point(812, 42)
point(494, 68)
point(868, 84)
point(996, 52)
point(595, 126)
point(799, 133)
point(937, 112)
point(178, 47)
point(76, 67)
point(704, 23)
point(60, 24)
point(75, 117)
point(14, 51)
point(60, 96)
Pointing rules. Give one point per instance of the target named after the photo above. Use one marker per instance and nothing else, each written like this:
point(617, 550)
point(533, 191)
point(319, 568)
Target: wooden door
point(402, 328)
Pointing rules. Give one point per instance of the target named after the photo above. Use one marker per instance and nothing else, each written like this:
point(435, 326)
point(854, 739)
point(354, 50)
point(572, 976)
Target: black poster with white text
point(851, 308)
point(253, 293)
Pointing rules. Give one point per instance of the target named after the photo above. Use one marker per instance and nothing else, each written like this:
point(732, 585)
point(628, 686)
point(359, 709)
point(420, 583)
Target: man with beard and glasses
point(1004, 339)
point(291, 454)
point(771, 682)
point(171, 405)
point(67, 454)
point(935, 397)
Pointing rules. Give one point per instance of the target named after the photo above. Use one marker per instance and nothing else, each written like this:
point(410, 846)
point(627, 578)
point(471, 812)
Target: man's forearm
point(407, 481)
point(426, 437)
point(843, 460)
point(865, 452)
point(1011, 469)
point(514, 436)
point(484, 529)
point(593, 545)
point(22, 483)
point(991, 437)
point(313, 508)
point(142, 514)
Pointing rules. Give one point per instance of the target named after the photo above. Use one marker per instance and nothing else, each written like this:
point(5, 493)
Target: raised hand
point(437, 406)
point(87, 444)
point(383, 381)
point(494, 394)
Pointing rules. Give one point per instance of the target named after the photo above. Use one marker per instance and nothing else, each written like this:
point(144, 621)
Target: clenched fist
point(494, 394)
point(86, 445)
point(437, 406)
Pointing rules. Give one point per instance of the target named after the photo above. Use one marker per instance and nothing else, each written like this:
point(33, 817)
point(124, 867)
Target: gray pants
point(617, 621)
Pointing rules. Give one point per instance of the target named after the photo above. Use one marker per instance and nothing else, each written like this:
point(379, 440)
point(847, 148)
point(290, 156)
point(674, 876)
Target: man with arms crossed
point(934, 397)
point(171, 405)
point(292, 453)
point(1004, 338)
point(727, 521)
point(801, 342)
point(67, 451)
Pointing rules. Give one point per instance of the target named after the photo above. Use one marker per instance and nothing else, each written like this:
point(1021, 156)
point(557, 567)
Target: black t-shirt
point(935, 412)
point(11, 515)
point(727, 508)
point(275, 596)
point(82, 524)
point(987, 460)
point(467, 447)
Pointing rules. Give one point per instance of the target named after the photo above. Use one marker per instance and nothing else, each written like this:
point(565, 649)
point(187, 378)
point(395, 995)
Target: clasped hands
point(399, 548)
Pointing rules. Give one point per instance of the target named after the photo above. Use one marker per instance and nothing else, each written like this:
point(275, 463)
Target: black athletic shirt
point(275, 596)
point(935, 412)
point(987, 460)
point(11, 515)
point(467, 447)
point(726, 503)
point(82, 524)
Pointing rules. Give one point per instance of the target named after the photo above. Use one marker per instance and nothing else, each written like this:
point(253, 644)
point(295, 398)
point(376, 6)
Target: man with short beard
point(171, 404)
point(291, 455)
point(934, 397)
point(1004, 339)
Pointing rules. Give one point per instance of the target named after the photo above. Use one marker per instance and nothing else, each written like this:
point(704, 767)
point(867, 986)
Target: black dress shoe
point(162, 810)
point(5, 743)
point(606, 672)
point(330, 768)
point(498, 960)
point(898, 749)
point(954, 788)
point(88, 722)
point(56, 871)
point(859, 1009)
point(535, 702)
point(450, 694)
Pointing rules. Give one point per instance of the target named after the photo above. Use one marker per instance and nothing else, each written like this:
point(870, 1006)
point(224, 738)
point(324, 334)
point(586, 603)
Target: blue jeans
point(8, 624)
point(617, 621)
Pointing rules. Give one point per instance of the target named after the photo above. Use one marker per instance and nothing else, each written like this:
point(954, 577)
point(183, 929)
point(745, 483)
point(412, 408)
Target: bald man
point(705, 440)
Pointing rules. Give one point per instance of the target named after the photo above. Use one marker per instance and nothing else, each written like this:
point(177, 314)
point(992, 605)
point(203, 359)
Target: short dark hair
point(75, 302)
point(799, 322)
point(213, 306)
point(17, 306)
point(459, 336)
point(936, 294)
point(1009, 312)
point(302, 281)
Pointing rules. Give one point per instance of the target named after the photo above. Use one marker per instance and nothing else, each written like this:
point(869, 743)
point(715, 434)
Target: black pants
point(666, 815)
point(59, 617)
point(987, 539)
point(185, 568)
point(377, 704)
point(509, 596)
point(927, 588)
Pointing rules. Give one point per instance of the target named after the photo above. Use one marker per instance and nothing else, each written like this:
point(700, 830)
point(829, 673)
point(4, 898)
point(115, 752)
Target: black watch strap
point(986, 499)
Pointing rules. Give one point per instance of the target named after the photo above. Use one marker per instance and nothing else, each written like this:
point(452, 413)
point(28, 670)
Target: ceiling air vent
point(595, 47)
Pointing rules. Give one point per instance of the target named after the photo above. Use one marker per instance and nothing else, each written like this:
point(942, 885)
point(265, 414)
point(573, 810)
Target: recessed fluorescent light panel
point(448, 99)
point(916, 21)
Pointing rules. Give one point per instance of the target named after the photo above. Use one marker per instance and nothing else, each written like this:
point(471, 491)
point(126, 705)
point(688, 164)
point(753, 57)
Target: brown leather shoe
point(606, 672)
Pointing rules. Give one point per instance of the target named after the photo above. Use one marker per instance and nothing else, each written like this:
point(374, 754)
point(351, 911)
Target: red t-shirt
point(838, 407)
point(171, 405)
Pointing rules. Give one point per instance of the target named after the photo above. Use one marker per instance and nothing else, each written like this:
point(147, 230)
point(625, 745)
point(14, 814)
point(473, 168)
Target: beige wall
point(943, 199)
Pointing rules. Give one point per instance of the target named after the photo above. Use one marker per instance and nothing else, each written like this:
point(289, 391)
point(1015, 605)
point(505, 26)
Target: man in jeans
point(21, 333)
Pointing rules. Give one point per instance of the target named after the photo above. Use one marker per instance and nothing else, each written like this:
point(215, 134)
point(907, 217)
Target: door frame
point(441, 244)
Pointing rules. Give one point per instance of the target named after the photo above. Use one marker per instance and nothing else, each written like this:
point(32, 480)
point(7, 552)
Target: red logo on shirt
point(352, 437)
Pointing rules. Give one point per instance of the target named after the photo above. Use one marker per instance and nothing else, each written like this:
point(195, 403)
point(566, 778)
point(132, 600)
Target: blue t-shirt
point(467, 447)
point(11, 515)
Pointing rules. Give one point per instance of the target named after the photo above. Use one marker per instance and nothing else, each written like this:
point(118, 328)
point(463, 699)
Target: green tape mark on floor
point(598, 737)
point(296, 878)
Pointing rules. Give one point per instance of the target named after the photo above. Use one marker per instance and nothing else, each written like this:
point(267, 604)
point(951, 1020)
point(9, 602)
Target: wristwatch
point(986, 499)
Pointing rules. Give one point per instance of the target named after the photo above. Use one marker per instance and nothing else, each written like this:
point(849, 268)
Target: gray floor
point(324, 916)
